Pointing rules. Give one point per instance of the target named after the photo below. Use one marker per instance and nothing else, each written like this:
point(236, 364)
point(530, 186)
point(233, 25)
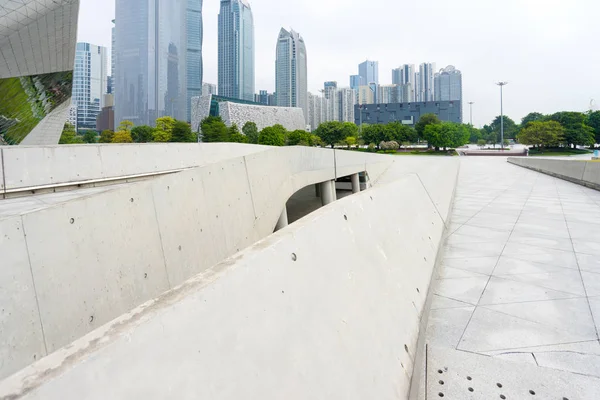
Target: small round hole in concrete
point(146, 276)
point(469, 378)
point(418, 291)
point(441, 382)
point(440, 371)
point(441, 394)
point(502, 396)
point(294, 257)
point(471, 389)
point(91, 319)
point(531, 392)
point(346, 217)
point(499, 385)
point(406, 348)
point(131, 199)
point(72, 221)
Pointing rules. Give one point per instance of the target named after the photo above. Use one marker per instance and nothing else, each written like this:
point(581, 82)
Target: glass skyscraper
point(236, 50)
point(291, 82)
point(448, 84)
point(151, 47)
point(90, 76)
point(194, 52)
point(369, 71)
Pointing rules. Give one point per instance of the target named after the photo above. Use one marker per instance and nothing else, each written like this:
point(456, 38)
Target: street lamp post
point(471, 106)
point(501, 84)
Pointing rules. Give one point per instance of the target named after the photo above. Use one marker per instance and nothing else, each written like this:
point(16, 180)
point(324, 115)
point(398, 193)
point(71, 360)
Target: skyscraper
point(404, 77)
point(425, 82)
point(194, 52)
point(209, 88)
point(291, 82)
point(90, 76)
point(236, 50)
point(356, 81)
point(151, 60)
point(346, 100)
point(448, 84)
point(369, 71)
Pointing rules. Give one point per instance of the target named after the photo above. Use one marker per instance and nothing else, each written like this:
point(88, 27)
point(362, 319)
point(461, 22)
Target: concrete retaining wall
point(32, 167)
point(329, 307)
point(586, 173)
point(81, 263)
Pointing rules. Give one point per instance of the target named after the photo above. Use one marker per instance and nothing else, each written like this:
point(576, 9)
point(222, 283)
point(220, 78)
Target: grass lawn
point(558, 152)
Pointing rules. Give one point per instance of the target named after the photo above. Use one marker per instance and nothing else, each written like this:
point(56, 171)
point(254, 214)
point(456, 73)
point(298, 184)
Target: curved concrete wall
point(586, 173)
point(329, 307)
point(79, 263)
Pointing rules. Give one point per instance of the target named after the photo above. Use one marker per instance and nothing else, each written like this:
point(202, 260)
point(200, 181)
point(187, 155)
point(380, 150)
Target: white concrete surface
point(518, 282)
point(328, 307)
point(583, 172)
point(111, 248)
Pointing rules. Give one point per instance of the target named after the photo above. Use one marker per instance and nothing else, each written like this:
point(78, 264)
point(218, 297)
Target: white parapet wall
point(326, 308)
point(586, 173)
point(76, 262)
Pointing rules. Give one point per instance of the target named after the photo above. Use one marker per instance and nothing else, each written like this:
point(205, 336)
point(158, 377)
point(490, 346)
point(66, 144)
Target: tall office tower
point(346, 101)
point(90, 76)
point(209, 88)
point(291, 82)
point(426, 89)
point(113, 59)
point(236, 50)
point(194, 52)
point(356, 81)
point(151, 60)
point(448, 84)
point(369, 71)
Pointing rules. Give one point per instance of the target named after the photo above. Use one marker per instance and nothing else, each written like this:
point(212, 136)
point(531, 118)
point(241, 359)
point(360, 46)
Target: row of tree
point(167, 130)
point(570, 128)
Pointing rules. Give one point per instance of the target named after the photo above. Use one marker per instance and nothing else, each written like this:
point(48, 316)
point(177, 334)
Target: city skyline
point(526, 59)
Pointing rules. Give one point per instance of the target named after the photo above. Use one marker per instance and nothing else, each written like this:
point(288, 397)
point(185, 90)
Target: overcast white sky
point(548, 50)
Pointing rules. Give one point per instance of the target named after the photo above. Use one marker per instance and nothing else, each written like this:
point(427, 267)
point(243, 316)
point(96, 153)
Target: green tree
point(402, 133)
point(142, 134)
point(332, 132)
point(475, 134)
point(424, 121)
point(532, 117)
point(576, 130)
point(251, 131)
point(106, 136)
point(481, 142)
point(235, 136)
point(122, 137)
point(593, 122)
point(89, 136)
point(125, 126)
point(299, 137)
point(213, 129)
point(542, 134)
point(510, 127)
point(69, 136)
point(446, 134)
point(159, 136)
point(378, 133)
point(182, 133)
point(165, 124)
point(350, 141)
point(272, 136)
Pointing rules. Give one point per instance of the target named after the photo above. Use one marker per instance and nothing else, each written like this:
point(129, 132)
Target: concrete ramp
point(329, 307)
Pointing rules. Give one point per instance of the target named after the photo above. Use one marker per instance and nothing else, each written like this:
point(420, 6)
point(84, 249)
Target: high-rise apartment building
point(404, 77)
point(366, 94)
point(387, 94)
point(425, 82)
point(291, 82)
point(448, 84)
point(151, 60)
point(236, 50)
point(346, 100)
point(330, 88)
point(90, 76)
point(209, 88)
point(194, 69)
point(369, 71)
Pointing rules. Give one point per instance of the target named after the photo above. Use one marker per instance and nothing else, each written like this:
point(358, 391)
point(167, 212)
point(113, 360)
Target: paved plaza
point(519, 282)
